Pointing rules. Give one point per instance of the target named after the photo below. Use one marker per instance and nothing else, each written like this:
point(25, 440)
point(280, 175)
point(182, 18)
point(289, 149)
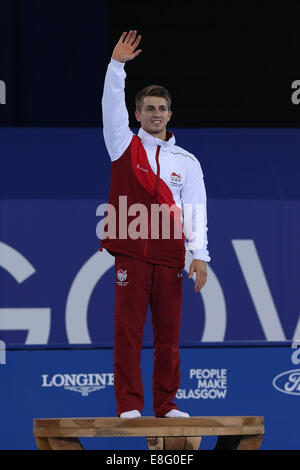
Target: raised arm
point(116, 131)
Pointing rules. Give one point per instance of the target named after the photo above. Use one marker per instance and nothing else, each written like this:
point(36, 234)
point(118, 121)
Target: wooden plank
point(176, 431)
point(234, 432)
point(174, 443)
point(177, 443)
point(155, 443)
point(146, 426)
point(153, 431)
point(42, 443)
point(146, 421)
point(192, 443)
point(250, 442)
point(66, 443)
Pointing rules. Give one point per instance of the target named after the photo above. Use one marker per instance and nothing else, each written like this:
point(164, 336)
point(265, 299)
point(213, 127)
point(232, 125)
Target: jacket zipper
point(155, 195)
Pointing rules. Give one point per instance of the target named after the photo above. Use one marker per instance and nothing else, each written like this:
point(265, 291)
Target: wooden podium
point(234, 432)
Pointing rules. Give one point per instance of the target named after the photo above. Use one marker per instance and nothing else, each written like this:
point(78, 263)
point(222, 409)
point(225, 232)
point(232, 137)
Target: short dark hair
point(152, 90)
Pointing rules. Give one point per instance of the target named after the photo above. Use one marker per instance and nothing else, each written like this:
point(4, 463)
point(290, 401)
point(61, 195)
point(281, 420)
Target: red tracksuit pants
point(139, 284)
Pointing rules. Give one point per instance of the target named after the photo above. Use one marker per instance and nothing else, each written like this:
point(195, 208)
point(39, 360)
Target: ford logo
point(288, 382)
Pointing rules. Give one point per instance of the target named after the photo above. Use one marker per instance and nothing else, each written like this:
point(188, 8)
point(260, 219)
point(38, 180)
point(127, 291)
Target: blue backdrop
point(73, 162)
point(57, 288)
point(215, 381)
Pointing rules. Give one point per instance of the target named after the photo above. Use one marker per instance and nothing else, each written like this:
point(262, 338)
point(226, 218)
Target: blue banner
point(58, 163)
point(215, 381)
point(57, 288)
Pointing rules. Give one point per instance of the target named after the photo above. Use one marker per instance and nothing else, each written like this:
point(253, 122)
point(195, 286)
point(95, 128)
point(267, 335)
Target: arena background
point(233, 73)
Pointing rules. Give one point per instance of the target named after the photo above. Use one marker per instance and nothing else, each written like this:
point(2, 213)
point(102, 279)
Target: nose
point(156, 114)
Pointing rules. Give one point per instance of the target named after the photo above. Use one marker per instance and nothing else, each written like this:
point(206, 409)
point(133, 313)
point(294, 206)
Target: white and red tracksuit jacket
point(149, 171)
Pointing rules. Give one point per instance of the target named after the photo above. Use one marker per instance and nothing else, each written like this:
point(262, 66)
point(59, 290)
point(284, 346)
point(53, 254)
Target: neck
point(162, 135)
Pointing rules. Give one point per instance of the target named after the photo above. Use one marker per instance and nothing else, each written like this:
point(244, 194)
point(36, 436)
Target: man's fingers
point(137, 41)
point(122, 36)
point(129, 37)
point(203, 280)
point(200, 280)
point(137, 53)
point(133, 37)
point(125, 48)
point(201, 274)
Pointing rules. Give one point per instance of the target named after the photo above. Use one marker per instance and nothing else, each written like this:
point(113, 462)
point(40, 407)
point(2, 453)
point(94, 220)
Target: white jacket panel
point(179, 169)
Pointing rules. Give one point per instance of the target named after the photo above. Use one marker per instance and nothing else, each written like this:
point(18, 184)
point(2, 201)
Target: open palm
point(125, 47)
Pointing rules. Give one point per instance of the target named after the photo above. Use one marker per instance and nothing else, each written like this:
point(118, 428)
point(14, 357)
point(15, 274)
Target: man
point(151, 171)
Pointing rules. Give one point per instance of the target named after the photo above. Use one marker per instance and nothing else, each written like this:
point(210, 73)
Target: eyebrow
point(152, 106)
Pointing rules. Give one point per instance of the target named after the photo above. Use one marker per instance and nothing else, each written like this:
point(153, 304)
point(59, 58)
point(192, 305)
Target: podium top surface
point(148, 426)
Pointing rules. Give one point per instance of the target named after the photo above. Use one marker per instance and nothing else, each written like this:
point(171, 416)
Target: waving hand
point(125, 47)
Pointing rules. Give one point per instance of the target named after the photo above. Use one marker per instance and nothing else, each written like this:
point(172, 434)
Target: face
point(154, 115)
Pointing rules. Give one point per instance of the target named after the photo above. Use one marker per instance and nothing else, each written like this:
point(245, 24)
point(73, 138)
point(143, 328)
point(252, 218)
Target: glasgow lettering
point(200, 393)
point(210, 383)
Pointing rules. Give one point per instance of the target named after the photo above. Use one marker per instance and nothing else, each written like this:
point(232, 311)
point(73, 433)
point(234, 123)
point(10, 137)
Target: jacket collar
point(151, 140)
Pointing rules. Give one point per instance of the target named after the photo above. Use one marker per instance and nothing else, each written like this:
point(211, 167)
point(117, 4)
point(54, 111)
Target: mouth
point(156, 121)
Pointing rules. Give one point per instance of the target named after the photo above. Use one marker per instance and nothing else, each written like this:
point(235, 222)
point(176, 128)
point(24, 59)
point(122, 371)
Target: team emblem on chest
point(175, 179)
point(122, 276)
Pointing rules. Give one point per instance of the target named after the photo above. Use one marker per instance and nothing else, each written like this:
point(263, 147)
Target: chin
point(156, 130)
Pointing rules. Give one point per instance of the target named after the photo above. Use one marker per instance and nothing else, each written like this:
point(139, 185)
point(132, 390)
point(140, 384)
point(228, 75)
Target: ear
point(170, 115)
point(137, 115)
